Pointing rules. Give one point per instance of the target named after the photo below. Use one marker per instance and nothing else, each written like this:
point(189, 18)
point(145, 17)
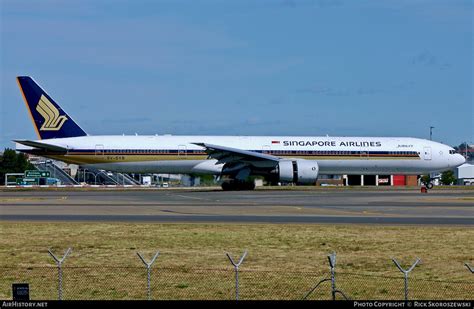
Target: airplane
point(236, 159)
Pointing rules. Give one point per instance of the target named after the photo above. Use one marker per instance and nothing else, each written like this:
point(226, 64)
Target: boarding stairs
point(55, 172)
point(108, 178)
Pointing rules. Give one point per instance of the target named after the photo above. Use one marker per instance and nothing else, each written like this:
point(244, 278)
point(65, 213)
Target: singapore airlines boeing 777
point(296, 159)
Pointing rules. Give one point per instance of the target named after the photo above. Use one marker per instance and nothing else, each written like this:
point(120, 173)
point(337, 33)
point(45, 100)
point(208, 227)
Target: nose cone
point(459, 159)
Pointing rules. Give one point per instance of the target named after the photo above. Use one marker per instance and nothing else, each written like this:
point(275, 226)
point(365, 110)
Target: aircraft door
point(182, 151)
point(364, 153)
point(427, 153)
point(266, 149)
point(99, 150)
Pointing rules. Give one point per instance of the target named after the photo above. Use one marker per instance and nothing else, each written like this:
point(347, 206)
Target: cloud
point(444, 12)
point(427, 59)
point(336, 92)
point(128, 120)
point(424, 58)
point(328, 91)
point(357, 91)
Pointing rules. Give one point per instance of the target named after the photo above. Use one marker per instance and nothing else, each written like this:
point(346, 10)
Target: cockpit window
point(452, 151)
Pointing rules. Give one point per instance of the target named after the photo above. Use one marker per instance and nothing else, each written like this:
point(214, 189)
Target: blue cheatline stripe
point(273, 152)
point(299, 153)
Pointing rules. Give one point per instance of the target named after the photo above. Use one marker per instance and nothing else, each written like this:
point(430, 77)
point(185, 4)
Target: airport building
point(368, 180)
point(465, 174)
point(380, 180)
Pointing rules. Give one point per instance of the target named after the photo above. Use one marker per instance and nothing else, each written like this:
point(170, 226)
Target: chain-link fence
point(115, 283)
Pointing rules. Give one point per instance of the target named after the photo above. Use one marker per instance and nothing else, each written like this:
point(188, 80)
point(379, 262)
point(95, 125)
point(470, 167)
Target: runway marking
point(191, 197)
point(20, 199)
point(177, 212)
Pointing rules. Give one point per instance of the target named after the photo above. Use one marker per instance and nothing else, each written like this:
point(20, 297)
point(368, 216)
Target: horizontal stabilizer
point(43, 146)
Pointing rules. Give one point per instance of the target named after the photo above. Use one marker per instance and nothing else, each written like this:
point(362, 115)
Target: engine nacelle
point(298, 171)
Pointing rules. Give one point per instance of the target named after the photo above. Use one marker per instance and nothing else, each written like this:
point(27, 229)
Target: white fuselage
point(179, 154)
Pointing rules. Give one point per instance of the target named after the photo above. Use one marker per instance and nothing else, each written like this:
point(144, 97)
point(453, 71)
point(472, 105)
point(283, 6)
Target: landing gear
point(235, 185)
point(428, 185)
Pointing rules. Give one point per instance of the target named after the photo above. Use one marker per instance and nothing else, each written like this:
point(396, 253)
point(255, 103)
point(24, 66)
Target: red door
point(398, 180)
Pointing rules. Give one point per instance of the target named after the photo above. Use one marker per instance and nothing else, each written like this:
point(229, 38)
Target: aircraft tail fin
point(49, 119)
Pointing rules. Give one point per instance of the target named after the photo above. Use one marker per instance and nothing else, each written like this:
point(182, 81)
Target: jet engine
point(298, 171)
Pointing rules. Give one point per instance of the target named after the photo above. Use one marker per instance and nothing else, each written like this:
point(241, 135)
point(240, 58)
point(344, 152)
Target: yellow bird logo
point(52, 120)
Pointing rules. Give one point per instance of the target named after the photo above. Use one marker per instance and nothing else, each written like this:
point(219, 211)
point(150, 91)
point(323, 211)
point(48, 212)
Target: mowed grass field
point(283, 262)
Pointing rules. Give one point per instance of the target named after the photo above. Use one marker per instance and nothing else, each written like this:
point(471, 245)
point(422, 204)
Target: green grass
point(284, 261)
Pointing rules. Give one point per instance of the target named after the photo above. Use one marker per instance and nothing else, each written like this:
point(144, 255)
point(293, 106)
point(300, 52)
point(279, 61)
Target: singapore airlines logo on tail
point(52, 120)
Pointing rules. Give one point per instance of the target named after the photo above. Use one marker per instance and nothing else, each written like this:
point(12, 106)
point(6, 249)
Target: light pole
point(466, 150)
point(431, 132)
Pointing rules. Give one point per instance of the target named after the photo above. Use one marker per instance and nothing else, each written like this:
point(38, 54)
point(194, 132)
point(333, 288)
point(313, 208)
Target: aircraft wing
point(42, 146)
point(233, 156)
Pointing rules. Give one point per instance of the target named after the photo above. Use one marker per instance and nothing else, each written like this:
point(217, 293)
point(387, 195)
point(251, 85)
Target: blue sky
point(283, 67)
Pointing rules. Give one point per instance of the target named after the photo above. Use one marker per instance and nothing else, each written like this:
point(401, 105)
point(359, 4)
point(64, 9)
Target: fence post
point(406, 272)
point(59, 263)
point(148, 268)
point(334, 290)
point(332, 264)
point(470, 268)
point(236, 269)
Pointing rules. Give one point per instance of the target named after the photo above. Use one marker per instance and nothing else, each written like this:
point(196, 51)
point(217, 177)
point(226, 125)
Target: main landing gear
point(428, 185)
point(236, 185)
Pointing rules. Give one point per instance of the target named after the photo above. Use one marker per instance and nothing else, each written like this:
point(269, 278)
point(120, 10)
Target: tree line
point(13, 162)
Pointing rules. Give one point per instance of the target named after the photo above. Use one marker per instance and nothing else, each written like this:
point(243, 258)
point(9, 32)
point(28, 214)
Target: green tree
point(425, 179)
point(207, 180)
point(13, 162)
point(465, 150)
point(447, 178)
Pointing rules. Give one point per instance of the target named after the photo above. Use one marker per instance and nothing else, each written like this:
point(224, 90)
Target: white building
point(465, 174)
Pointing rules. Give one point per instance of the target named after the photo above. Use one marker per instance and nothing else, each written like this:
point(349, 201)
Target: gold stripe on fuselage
point(90, 158)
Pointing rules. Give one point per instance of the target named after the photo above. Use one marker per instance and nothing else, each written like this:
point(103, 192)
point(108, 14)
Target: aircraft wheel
point(249, 186)
point(237, 186)
point(226, 186)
